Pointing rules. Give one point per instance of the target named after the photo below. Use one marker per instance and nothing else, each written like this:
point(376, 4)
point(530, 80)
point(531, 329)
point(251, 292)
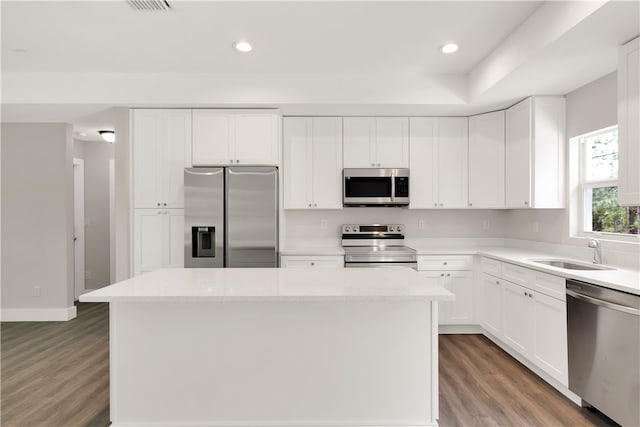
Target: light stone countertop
point(313, 251)
point(622, 279)
point(271, 284)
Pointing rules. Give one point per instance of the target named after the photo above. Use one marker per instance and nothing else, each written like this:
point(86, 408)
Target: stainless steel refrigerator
point(231, 217)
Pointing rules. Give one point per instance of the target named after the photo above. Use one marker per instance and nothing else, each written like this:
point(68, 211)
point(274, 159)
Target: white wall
point(37, 221)
point(122, 194)
point(96, 157)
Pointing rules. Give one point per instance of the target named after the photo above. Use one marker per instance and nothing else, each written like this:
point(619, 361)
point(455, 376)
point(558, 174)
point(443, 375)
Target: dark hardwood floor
point(56, 374)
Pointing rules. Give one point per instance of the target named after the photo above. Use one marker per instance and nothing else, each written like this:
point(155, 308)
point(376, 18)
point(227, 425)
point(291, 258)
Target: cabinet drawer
point(516, 274)
point(312, 261)
point(549, 284)
point(452, 262)
point(491, 266)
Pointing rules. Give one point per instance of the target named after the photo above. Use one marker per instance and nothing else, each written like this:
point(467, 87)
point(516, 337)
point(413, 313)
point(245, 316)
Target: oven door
point(413, 265)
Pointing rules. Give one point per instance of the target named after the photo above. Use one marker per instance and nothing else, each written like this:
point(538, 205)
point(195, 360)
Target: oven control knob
point(398, 229)
point(391, 229)
point(355, 229)
point(347, 229)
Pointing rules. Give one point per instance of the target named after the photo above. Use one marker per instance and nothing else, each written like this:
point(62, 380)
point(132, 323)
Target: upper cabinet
point(312, 162)
point(376, 142)
point(535, 153)
point(486, 160)
point(629, 124)
point(235, 137)
point(161, 151)
point(439, 171)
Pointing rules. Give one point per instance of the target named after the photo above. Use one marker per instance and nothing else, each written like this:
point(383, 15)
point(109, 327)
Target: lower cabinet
point(531, 317)
point(454, 274)
point(158, 239)
point(312, 261)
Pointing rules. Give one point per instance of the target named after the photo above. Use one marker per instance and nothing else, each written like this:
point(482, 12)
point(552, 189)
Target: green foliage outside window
point(608, 217)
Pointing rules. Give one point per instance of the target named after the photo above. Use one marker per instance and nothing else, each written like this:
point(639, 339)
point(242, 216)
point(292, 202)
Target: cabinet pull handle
point(373, 164)
point(378, 164)
point(440, 204)
point(442, 274)
point(526, 203)
point(309, 204)
point(444, 263)
point(237, 161)
point(158, 204)
point(164, 204)
point(313, 263)
point(470, 204)
point(448, 274)
point(497, 282)
point(435, 204)
point(315, 205)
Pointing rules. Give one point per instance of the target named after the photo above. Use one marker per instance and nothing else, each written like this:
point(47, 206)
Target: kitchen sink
point(571, 265)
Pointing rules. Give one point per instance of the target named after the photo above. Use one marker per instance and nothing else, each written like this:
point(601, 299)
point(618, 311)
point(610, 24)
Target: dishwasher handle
point(602, 303)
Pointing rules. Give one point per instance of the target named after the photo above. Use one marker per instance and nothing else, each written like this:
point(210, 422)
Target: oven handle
point(606, 304)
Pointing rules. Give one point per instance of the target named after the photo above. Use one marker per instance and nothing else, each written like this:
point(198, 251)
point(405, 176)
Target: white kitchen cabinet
point(454, 274)
point(439, 166)
point(161, 151)
point(535, 153)
point(549, 350)
point(158, 239)
point(380, 142)
point(526, 310)
point(235, 137)
point(491, 311)
point(629, 124)
point(312, 162)
point(486, 160)
point(312, 261)
point(517, 321)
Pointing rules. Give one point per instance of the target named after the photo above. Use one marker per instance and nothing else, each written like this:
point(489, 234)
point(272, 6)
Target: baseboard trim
point(38, 314)
point(460, 329)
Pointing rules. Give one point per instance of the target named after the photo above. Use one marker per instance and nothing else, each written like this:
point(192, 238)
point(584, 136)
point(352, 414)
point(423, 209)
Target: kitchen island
point(249, 347)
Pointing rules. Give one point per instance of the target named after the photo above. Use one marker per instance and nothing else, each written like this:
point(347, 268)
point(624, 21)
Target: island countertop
point(278, 284)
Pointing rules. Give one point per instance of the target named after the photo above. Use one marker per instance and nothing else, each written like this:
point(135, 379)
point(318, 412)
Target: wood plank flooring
point(56, 374)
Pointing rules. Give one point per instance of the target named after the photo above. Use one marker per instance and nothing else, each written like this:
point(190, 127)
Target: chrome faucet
point(597, 251)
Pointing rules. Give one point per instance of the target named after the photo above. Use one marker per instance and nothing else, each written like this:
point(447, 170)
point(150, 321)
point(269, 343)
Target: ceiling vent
point(152, 5)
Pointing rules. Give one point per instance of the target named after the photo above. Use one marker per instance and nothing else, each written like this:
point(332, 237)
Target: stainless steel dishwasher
point(603, 331)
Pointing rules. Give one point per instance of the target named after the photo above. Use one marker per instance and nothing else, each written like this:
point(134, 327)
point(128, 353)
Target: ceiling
point(72, 61)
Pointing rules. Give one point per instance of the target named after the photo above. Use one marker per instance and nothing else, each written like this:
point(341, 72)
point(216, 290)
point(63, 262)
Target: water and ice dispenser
point(203, 242)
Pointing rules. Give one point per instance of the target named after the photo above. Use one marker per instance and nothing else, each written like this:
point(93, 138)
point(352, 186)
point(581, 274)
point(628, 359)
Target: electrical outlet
point(486, 224)
point(536, 227)
point(421, 224)
point(87, 275)
point(36, 291)
point(323, 224)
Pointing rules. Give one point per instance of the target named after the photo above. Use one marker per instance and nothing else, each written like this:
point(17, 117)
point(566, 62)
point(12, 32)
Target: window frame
point(585, 184)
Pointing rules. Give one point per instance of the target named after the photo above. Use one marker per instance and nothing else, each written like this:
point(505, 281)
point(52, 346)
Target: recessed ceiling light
point(242, 46)
point(18, 50)
point(108, 135)
point(449, 48)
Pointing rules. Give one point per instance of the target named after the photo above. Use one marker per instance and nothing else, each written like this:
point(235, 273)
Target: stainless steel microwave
point(375, 187)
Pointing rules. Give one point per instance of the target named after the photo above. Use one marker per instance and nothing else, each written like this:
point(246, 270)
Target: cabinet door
point(460, 311)
point(174, 236)
point(486, 160)
point(257, 137)
point(518, 155)
point(147, 147)
point(213, 133)
point(424, 175)
point(518, 318)
point(550, 337)
point(297, 169)
point(392, 142)
point(629, 124)
point(452, 162)
point(327, 162)
point(492, 305)
point(148, 240)
point(177, 138)
point(357, 146)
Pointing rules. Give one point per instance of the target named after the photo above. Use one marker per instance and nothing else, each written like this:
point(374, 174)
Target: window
point(599, 186)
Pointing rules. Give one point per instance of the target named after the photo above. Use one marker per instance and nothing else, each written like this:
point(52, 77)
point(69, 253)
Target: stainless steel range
point(376, 245)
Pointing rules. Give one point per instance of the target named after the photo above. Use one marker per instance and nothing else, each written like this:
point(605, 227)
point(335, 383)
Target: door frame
point(78, 228)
